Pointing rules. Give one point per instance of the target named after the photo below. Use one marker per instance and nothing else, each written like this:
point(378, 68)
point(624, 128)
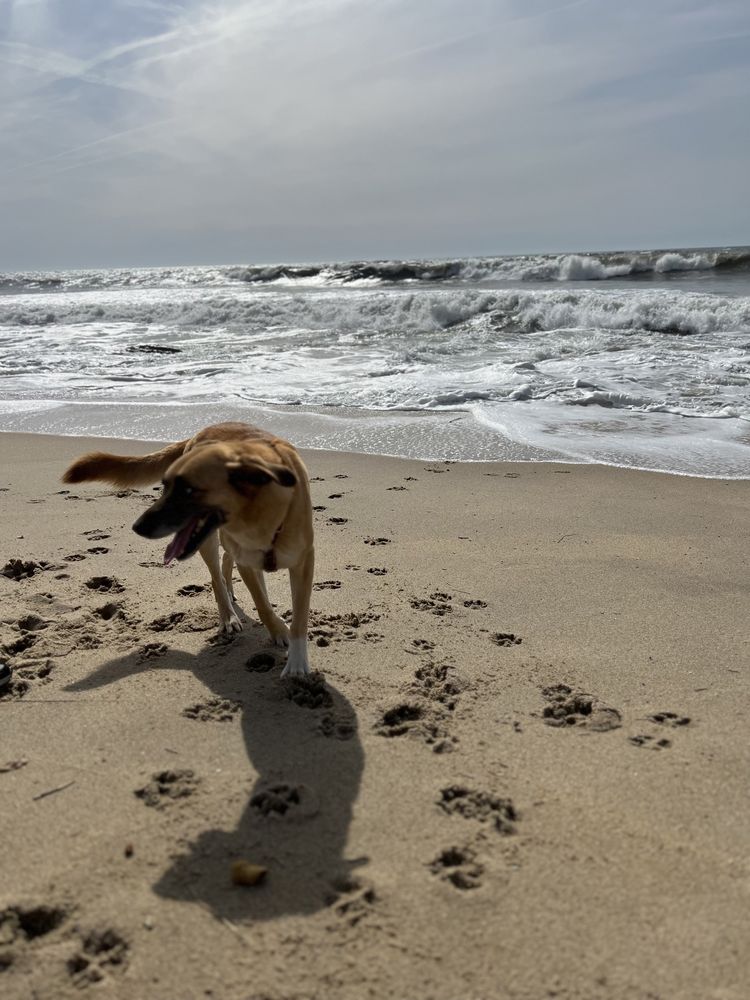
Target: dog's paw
point(297, 664)
point(231, 625)
point(279, 634)
point(295, 670)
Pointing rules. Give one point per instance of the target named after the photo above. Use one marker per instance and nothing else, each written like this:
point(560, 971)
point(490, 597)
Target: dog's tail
point(123, 470)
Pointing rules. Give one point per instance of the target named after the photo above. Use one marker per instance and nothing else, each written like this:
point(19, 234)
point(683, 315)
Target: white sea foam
point(679, 262)
point(641, 375)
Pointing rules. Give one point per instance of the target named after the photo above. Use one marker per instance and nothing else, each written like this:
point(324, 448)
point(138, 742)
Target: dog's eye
point(188, 490)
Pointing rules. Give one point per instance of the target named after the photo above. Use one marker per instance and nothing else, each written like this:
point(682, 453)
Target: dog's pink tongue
point(176, 547)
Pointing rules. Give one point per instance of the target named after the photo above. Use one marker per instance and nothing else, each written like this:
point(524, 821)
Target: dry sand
point(525, 774)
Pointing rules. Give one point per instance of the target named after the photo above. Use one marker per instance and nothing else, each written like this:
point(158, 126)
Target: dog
point(238, 485)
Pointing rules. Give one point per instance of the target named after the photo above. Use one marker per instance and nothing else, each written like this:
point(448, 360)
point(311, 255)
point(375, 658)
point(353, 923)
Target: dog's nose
point(140, 528)
point(154, 523)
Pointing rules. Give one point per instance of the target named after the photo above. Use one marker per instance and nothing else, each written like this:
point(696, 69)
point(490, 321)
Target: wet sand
point(522, 772)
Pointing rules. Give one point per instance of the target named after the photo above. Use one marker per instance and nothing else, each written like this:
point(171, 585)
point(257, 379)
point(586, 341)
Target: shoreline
point(532, 726)
point(302, 428)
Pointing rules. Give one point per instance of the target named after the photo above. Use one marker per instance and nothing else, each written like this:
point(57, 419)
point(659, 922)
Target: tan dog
point(239, 485)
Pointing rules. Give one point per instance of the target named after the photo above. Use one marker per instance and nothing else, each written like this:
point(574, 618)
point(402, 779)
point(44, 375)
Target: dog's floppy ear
point(245, 473)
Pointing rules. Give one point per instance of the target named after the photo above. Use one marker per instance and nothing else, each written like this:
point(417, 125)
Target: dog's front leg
point(300, 578)
point(256, 584)
point(209, 550)
point(227, 566)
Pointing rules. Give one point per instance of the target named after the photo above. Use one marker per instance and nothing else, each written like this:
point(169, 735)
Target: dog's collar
point(270, 564)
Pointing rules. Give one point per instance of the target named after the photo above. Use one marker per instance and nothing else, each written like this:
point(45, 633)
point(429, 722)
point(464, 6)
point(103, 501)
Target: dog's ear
point(244, 473)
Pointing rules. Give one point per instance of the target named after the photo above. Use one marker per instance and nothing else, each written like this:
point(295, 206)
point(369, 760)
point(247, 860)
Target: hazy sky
point(187, 131)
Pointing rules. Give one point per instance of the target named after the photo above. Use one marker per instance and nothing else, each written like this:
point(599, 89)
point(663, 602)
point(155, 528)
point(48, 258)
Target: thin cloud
point(406, 126)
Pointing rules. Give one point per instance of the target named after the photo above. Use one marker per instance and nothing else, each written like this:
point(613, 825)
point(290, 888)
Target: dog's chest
point(251, 553)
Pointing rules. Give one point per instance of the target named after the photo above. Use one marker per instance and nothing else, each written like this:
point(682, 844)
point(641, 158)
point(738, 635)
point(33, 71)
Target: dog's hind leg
point(256, 584)
point(300, 578)
point(227, 566)
point(209, 551)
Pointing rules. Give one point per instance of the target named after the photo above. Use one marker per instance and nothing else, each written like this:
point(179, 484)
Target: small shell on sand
point(245, 873)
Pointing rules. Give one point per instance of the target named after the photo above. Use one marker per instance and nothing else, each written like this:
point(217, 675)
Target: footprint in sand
point(649, 742)
point(567, 707)
point(456, 800)
point(20, 569)
point(14, 690)
point(213, 710)
point(101, 953)
point(325, 629)
point(377, 570)
point(260, 663)
point(166, 623)
point(505, 639)
point(399, 720)
point(22, 925)
point(166, 787)
point(370, 540)
point(410, 718)
point(107, 612)
point(105, 585)
point(283, 799)
point(152, 651)
point(95, 535)
point(309, 692)
point(475, 604)
point(338, 725)
point(193, 589)
point(438, 683)
point(32, 623)
point(327, 585)
point(36, 670)
point(669, 719)
point(459, 866)
point(19, 645)
point(437, 603)
point(351, 899)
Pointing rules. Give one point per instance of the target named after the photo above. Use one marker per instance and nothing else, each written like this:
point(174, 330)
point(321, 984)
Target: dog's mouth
point(192, 534)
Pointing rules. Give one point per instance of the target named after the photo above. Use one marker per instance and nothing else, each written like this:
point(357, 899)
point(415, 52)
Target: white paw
point(280, 635)
point(232, 624)
point(295, 670)
point(297, 664)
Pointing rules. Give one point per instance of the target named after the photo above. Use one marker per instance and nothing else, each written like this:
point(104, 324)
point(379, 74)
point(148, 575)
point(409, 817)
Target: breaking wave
point(387, 313)
point(570, 267)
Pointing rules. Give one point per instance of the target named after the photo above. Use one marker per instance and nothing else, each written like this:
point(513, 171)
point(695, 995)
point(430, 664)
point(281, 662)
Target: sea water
point(638, 359)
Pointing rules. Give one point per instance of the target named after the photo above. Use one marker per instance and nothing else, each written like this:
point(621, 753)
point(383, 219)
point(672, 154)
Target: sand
point(521, 773)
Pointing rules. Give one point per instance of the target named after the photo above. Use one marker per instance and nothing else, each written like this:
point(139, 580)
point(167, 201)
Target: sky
point(239, 131)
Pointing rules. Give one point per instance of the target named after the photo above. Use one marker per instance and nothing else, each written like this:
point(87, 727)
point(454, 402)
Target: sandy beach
point(521, 774)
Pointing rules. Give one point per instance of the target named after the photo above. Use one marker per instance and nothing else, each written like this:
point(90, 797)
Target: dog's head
point(211, 485)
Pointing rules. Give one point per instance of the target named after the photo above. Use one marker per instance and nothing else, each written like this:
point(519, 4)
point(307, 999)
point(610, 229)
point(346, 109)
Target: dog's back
point(140, 470)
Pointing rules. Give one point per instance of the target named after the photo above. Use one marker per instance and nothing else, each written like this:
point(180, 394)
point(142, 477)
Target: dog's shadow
point(302, 741)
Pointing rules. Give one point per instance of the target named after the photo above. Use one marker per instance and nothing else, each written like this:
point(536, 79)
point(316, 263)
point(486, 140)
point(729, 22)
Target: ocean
point(635, 359)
